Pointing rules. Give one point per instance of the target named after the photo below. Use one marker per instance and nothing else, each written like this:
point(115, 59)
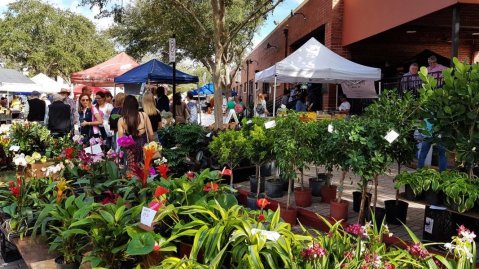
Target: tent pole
point(274, 97)
point(199, 102)
point(337, 91)
point(380, 87)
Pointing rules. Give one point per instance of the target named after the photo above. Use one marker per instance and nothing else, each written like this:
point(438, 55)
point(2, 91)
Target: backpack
point(260, 109)
point(238, 108)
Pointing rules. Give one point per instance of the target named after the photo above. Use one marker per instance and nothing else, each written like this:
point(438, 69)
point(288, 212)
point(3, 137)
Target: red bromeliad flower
point(211, 186)
point(160, 191)
point(163, 170)
point(156, 247)
point(155, 205)
point(261, 217)
point(69, 152)
point(111, 198)
point(262, 203)
point(190, 175)
point(15, 188)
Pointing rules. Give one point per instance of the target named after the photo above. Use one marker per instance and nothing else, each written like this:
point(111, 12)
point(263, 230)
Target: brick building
point(385, 34)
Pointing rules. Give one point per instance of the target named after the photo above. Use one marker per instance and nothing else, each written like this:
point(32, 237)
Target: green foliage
point(66, 226)
point(453, 110)
point(31, 137)
point(399, 113)
point(423, 179)
point(48, 40)
point(460, 190)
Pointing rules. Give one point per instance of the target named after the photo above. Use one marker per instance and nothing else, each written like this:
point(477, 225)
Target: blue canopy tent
point(206, 89)
point(156, 72)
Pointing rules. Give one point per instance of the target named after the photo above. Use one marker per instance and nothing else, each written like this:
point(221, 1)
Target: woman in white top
point(105, 109)
point(260, 106)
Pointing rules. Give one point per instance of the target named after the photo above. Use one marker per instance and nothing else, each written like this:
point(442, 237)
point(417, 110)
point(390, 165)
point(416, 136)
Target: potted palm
point(259, 151)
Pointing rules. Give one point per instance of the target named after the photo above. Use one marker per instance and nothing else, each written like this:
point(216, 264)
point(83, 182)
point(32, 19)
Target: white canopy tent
point(14, 81)
point(47, 84)
point(315, 63)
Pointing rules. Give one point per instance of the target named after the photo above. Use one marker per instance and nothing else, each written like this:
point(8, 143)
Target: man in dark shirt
point(162, 101)
point(59, 120)
point(37, 109)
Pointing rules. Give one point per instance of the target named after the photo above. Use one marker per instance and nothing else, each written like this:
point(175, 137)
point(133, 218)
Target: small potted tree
point(259, 151)
point(320, 156)
point(304, 144)
point(229, 147)
point(400, 113)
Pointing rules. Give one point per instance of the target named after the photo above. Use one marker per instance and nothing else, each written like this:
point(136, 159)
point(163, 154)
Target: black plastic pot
point(251, 201)
point(315, 185)
point(267, 169)
point(274, 189)
point(396, 211)
point(60, 265)
point(253, 184)
point(357, 200)
point(379, 215)
point(409, 194)
point(434, 198)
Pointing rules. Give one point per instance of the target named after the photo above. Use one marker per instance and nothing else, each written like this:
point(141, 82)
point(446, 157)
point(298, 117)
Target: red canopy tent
point(102, 75)
point(78, 88)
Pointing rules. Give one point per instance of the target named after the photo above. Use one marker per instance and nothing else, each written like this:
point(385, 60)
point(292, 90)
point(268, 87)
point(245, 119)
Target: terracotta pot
point(303, 197)
point(289, 215)
point(328, 193)
point(339, 211)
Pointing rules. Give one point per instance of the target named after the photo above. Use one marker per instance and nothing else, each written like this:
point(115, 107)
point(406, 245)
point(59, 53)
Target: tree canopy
point(45, 39)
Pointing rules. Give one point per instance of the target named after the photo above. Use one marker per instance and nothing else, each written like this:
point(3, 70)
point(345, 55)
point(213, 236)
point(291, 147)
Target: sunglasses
point(85, 100)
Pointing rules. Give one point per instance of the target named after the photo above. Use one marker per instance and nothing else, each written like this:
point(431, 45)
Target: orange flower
point(262, 203)
point(160, 191)
point(211, 186)
point(149, 152)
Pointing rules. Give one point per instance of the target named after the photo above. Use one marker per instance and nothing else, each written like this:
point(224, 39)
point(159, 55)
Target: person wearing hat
point(35, 108)
point(73, 106)
point(59, 117)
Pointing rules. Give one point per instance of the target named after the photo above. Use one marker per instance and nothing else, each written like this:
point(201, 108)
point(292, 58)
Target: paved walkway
point(386, 191)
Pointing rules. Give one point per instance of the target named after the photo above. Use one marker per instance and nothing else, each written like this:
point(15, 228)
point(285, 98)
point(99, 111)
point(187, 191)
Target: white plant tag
point(330, 128)
point(428, 225)
point(14, 148)
point(173, 148)
point(147, 216)
point(270, 124)
point(391, 136)
point(208, 134)
point(270, 235)
point(249, 122)
point(94, 150)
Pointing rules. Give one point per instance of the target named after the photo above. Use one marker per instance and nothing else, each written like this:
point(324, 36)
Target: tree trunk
point(258, 180)
point(302, 178)
point(363, 201)
point(397, 190)
point(376, 183)
point(341, 186)
point(289, 193)
point(218, 97)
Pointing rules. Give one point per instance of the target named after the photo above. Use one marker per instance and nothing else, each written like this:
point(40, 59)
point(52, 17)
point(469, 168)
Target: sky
point(281, 12)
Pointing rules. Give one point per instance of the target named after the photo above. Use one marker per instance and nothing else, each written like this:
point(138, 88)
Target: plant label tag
point(391, 136)
point(270, 124)
point(249, 122)
point(173, 148)
point(208, 134)
point(93, 150)
point(14, 148)
point(428, 225)
point(147, 216)
point(330, 128)
point(270, 235)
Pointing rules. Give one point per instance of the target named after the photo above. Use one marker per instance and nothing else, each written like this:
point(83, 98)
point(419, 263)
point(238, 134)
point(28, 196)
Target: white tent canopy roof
point(14, 81)
point(315, 63)
point(47, 84)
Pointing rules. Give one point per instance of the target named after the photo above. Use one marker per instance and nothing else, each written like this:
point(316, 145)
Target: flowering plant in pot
point(229, 147)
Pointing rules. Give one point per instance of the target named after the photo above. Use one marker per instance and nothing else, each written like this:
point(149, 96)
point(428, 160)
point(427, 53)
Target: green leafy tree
point(453, 110)
point(214, 32)
point(45, 39)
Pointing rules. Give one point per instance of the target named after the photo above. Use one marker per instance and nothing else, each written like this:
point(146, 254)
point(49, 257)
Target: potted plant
point(258, 152)
point(400, 113)
point(286, 151)
point(461, 191)
point(305, 146)
point(229, 147)
point(65, 224)
point(320, 156)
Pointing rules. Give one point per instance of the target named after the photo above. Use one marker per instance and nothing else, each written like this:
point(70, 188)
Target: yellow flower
point(62, 185)
point(29, 159)
point(43, 159)
point(36, 156)
point(153, 146)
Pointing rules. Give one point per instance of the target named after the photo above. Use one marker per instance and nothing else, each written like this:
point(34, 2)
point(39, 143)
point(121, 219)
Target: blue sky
point(281, 12)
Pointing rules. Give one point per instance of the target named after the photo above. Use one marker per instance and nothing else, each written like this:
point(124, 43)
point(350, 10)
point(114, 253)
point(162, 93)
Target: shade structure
point(154, 71)
point(204, 90)
point(14, 81)
point(78, 88)
point(47, 84)
point(315, 63)
point(103, 75)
